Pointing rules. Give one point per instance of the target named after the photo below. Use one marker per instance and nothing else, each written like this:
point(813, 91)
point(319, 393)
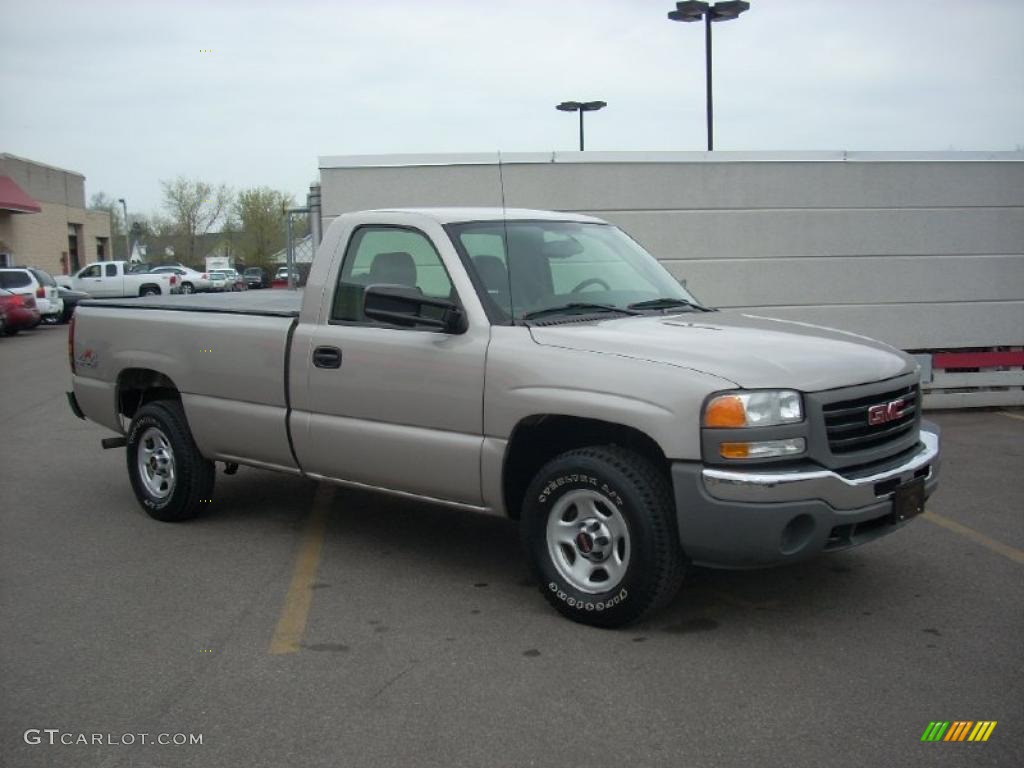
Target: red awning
point(14, 199)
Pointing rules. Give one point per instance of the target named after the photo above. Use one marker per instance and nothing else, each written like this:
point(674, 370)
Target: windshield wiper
point(578, 305)
point(667, 303)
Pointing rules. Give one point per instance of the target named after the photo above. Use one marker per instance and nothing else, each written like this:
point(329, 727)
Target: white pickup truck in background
point(115, 279)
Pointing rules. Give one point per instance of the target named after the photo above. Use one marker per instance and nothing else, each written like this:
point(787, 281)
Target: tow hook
point(230, 467)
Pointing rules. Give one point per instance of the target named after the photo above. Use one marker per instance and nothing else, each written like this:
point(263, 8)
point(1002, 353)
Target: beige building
point(43, 219)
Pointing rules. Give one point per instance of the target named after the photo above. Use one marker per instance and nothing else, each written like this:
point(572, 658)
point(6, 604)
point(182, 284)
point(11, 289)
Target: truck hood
point(749, 350)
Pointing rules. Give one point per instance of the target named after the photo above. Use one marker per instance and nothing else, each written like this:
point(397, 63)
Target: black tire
point(642, 497)
point(149, 291)
point(192, 487)
point(8, 331)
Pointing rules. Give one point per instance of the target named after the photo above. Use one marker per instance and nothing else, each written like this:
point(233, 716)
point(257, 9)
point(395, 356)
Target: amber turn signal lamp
point(725, 411)
point(734, 450)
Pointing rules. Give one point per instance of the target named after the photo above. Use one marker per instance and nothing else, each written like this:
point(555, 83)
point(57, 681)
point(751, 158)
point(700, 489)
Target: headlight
point(753, 409)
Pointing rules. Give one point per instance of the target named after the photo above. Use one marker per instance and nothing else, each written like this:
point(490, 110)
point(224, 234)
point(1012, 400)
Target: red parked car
point(20, 311)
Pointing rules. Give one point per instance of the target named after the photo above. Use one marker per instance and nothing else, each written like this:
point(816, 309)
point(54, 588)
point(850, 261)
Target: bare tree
point(194, 207)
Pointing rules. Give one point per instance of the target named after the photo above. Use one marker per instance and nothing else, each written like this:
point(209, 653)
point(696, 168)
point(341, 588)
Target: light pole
point(581, 107)
point(127, 245)
point(693, 10)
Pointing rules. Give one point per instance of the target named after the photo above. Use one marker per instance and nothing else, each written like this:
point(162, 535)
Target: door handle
point(327, 357)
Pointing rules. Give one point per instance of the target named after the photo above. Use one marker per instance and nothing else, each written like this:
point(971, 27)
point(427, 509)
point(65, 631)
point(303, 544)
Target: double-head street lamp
point(692, 10)
point(581, 107)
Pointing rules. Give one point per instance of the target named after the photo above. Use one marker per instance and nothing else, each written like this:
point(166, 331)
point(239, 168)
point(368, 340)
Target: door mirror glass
point(407, 307)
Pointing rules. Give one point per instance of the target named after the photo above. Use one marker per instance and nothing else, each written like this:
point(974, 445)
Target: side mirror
point(401, 305)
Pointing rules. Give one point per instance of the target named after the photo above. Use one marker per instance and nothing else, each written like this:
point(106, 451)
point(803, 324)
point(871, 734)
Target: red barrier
point(946, 360)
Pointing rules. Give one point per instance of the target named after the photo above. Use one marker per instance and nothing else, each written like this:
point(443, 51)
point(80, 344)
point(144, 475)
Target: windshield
point(525, 267)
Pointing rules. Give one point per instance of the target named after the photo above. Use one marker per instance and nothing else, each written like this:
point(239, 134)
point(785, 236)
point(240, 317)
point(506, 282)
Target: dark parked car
point(20, 311)
point(71, 299)
point(256, 278)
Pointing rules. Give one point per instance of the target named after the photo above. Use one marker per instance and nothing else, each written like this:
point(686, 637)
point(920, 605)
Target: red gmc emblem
point(885, 412)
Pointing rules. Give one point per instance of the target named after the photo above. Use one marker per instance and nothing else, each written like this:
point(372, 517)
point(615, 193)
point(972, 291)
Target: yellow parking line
point(292, 624)
point(1013, 415)
point(979, 538)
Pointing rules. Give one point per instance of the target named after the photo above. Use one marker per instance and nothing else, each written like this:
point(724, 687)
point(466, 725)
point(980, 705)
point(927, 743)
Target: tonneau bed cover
point(277, 303)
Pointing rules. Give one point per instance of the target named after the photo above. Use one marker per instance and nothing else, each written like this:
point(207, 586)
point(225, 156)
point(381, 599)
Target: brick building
point(43, 219)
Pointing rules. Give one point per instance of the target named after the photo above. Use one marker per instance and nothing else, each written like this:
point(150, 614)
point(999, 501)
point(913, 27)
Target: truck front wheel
point(599, 529)
point(171, 479)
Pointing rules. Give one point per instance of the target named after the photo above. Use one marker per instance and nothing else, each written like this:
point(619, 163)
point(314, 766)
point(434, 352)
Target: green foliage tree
point(261, 215)
point(194, 207)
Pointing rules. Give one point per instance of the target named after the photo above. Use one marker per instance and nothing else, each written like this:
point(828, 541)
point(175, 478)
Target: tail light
point(41, 292)
point(71, 343)
point(174, 279)
point(205, 276)
point(28, 301)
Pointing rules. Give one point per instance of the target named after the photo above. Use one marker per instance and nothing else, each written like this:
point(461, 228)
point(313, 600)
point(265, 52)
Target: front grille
point(847, 427)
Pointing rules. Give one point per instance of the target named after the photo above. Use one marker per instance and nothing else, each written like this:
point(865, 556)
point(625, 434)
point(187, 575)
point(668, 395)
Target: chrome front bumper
point(839, 492)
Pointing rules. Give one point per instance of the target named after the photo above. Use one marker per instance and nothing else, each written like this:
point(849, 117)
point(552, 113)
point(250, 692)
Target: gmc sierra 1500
point(524, 363)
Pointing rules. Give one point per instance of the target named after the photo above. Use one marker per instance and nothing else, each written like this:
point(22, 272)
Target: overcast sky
point(126, 93)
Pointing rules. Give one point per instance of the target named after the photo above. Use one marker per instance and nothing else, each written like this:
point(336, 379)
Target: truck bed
point(225, 354)
point(268, 303)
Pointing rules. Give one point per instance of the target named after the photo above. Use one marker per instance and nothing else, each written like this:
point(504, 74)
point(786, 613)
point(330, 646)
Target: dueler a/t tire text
point(595, 497)
point(171, 479)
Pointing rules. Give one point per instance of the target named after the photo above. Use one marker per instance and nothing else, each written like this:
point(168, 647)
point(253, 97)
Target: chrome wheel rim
point(187, 288)
point(156, 463)
point(588, 541)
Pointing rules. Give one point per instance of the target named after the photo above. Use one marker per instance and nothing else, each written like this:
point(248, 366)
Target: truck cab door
point(90, 280)
point(112, 283)
point(386, 406)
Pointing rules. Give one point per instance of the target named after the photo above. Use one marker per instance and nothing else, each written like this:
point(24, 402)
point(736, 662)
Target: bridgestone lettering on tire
point(600, 533)
point(171, 479)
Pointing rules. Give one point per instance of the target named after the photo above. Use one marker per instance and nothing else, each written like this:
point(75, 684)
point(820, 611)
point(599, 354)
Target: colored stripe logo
point(959, 730)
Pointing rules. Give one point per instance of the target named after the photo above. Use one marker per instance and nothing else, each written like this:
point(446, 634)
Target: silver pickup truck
point(524, 363)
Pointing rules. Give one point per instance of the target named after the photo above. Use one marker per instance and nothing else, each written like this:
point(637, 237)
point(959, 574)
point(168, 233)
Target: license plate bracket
point(908, 500)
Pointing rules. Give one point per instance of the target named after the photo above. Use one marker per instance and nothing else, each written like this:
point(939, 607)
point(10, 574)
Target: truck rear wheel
point(599, 529)
point(171, 479)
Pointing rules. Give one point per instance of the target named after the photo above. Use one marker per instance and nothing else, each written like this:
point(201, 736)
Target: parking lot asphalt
point(294, 625)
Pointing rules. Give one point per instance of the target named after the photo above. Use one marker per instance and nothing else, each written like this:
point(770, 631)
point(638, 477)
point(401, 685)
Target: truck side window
point(111, 270)
point(91, 271)
point(389, 255)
